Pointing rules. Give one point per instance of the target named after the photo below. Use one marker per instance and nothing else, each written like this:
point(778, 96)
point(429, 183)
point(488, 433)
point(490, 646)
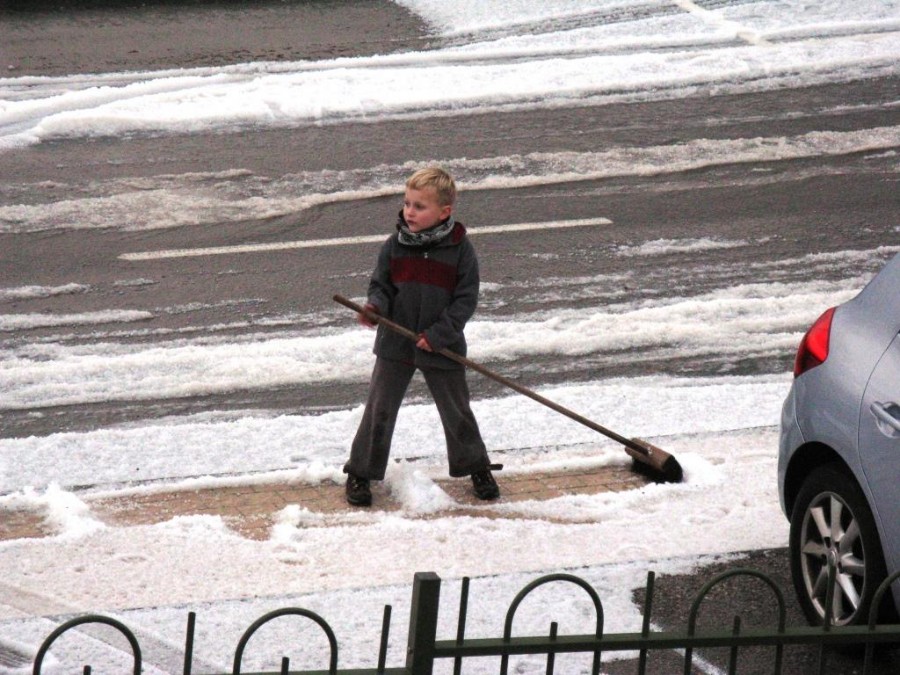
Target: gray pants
point(371, 447)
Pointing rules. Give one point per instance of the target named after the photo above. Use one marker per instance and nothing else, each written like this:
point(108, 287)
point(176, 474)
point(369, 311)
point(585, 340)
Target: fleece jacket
point(430, 290)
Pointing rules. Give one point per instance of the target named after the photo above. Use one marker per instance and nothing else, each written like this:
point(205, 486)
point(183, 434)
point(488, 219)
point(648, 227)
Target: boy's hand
point(423, 343)
point(363, 319)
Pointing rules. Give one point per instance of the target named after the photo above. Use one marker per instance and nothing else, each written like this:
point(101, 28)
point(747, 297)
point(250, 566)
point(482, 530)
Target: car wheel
point(832, 520)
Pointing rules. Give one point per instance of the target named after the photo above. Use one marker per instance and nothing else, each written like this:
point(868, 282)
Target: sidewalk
point(251, 509)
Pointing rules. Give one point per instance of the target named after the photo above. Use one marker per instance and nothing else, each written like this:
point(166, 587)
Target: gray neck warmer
point(428, 237)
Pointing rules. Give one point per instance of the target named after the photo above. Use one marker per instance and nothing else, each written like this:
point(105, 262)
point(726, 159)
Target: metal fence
point(424, 649)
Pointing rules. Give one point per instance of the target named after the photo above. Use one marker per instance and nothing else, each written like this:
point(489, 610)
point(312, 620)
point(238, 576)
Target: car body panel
point(829, 396)
point(879, 435)
point(827, 414)
point(790, 440)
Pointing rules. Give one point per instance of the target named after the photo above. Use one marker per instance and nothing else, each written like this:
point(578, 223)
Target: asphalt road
point(787, 209)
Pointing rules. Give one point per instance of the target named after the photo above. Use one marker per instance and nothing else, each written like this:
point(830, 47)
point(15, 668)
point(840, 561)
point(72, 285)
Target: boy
point(426, 279)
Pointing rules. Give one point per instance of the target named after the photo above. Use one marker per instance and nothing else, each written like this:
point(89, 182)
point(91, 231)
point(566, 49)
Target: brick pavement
point(251, 509)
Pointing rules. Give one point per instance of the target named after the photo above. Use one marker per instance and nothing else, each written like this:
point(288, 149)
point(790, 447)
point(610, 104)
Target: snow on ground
point(497, 55)
point(750, 320)
point(598, 52)
point(610, 539)
point(191, 199)
point(722, 429)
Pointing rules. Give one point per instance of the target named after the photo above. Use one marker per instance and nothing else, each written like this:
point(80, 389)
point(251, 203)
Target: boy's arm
point(381, 289)
point(448, 329)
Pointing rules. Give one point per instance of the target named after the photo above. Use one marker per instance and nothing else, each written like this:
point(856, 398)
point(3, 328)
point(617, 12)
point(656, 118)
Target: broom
point(648, 459)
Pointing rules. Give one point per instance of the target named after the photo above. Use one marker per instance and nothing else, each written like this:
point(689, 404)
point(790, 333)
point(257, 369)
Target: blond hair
point(436, 179)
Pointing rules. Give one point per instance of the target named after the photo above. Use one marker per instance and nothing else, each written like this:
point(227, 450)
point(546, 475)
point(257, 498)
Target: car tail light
point(813, 348)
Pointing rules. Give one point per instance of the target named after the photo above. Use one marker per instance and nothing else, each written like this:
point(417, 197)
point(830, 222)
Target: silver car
point(839, 459)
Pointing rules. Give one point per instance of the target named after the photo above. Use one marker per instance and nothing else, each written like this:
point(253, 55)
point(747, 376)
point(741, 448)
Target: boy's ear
point(446, 211)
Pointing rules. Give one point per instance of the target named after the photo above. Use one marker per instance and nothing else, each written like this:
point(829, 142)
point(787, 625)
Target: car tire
point(831, 518)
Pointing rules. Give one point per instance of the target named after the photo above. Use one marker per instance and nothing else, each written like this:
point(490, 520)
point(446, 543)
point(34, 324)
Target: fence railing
point(424, 649)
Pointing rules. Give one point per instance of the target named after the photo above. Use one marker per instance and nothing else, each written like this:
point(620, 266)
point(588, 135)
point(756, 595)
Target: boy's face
point(422, 209)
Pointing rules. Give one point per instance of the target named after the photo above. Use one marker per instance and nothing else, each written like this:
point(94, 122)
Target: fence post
point(189, 643)
point(423, 616)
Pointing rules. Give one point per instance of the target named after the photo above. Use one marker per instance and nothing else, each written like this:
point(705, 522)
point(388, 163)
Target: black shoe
point(358, 492)
point(485, 486)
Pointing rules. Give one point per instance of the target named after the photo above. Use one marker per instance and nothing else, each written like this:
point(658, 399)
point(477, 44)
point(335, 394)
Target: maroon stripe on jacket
point(423, 271)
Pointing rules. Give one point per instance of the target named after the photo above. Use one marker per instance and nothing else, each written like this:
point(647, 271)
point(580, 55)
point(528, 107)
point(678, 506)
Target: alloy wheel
point(831, 533)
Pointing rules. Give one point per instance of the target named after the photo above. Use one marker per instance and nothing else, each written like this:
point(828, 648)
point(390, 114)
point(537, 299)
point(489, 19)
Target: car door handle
point(888, 416)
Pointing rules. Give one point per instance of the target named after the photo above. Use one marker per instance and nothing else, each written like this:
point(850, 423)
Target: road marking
point(347, 241)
